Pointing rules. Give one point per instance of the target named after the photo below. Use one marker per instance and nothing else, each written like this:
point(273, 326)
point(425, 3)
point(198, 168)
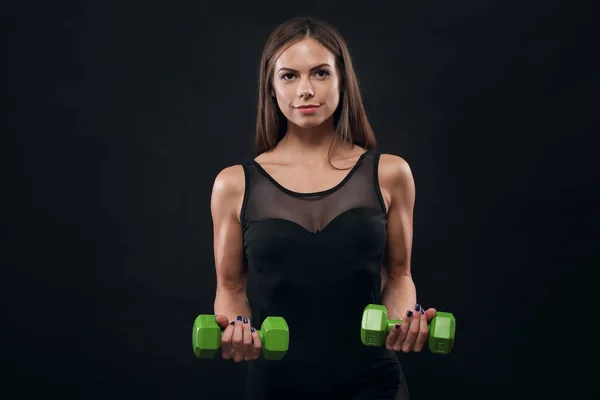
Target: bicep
point(398, 180)
point(226, 200)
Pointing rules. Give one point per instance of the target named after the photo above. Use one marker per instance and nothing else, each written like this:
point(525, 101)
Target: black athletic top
point(315, 259)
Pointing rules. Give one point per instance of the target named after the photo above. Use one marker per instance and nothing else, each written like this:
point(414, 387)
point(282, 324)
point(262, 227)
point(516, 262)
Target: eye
point(289, 74)
point(324, 73)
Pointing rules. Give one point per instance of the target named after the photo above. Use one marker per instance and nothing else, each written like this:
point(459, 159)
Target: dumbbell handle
point(261, 334)
point(391, 324)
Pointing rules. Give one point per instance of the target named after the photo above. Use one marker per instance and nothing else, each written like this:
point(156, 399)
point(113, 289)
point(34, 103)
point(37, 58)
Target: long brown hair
point(350, 119)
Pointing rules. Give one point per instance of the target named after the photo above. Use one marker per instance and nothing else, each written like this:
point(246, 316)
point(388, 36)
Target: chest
point(301, 179)
point(355, 239)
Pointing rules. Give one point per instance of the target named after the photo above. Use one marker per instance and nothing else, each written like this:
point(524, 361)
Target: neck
point(308, 144)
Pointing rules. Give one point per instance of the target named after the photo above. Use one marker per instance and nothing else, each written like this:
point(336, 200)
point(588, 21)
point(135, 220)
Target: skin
point(306, 73)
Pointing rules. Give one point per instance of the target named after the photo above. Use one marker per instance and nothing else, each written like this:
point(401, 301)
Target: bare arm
point(226, 201)
point(399, 293)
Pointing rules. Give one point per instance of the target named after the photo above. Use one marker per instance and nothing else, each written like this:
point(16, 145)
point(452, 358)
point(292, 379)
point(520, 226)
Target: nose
point(305, 91)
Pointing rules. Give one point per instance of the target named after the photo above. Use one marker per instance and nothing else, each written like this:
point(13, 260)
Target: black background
point(120, 115)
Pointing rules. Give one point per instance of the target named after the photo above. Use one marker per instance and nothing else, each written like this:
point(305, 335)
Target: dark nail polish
point(232, 323)
point(397, 326)
point(239, 318)
point(417, 307)
point(245, 320)
point(422, 311)
point(252, 329)
point(409, 313)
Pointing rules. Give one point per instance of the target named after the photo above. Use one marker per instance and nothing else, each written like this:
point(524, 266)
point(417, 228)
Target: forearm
point(399, 295)
point(232, 303)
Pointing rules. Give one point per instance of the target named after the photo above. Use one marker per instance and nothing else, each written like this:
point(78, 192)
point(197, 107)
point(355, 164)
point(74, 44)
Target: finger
point(247, 347)
point(423, 333)
point(392, 336)
point(257, 344)
point(413, 331)
point(397, 346)
point(430, 314)
point(236, 341)
point(222, 321)
point(226, 349)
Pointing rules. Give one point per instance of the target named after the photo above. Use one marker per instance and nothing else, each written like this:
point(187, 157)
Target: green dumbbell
point(274, 336)
point(376, 326)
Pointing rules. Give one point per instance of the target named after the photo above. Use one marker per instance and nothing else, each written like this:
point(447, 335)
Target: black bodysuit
point(315, 259)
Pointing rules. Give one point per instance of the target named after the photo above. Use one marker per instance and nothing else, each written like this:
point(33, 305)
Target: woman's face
point(306, 75)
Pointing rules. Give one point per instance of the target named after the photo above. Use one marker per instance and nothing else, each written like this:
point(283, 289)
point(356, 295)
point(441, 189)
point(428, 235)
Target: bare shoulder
point(228, 189)
point(230, 180)
point(394, 172)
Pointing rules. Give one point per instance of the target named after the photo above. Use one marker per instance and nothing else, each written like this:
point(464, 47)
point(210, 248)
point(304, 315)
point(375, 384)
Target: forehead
point(305, 54)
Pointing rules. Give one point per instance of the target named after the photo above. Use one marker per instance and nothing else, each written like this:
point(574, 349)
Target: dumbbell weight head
point(441, 333)
point(206, 336)
point(274, 336)
point(376, 326)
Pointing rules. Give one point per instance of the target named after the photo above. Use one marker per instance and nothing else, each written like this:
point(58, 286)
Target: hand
point(239, 340)
point(412, 333)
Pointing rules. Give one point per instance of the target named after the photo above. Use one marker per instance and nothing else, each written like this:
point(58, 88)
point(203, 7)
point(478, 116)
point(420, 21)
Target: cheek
point(283, 96)
point(334, 99)
point(283, 103)
point(332, 90)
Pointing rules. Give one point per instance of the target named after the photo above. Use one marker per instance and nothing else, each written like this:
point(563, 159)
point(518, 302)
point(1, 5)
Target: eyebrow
point(312, 69)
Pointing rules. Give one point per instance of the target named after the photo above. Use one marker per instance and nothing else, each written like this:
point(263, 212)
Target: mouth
point(307, 109)
point(308, 106)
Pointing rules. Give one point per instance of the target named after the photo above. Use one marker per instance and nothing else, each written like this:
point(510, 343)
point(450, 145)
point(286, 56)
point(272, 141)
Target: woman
point(321, 224)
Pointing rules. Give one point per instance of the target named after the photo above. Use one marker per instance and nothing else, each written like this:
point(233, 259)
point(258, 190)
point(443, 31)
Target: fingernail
point(252, 329)
point(232, 323)
point(409, 313)
point(397, 326)
point(239, 318)
point(417, 307)
point(422, 311)
point(245, 320)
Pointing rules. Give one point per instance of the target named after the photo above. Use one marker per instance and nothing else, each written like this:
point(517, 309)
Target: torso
point(314, 240)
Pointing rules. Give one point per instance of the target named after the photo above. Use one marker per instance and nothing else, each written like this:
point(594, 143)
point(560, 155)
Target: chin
point(308, 124)
point(308, 121)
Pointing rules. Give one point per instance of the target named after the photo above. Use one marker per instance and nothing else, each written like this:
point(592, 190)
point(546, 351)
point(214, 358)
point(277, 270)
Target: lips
point(308, 106)
point(307, 110)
